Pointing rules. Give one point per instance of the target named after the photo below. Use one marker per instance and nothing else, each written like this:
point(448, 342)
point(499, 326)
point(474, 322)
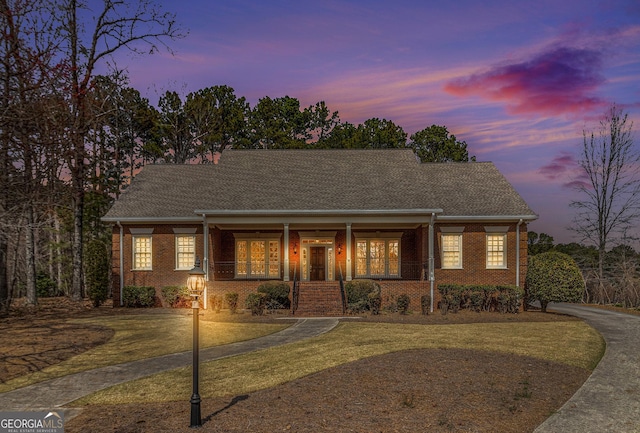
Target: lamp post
point(195, 284)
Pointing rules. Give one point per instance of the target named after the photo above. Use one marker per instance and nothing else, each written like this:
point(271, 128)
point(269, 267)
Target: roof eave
point(155, 220)
point(493, 218)
point(316, 212)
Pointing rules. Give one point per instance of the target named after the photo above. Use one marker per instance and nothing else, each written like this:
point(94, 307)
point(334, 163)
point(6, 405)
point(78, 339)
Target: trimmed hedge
point(215, 303)
point(403, 301)
point(232, 301)
point(176, 296)
point(553, 277)
point(138, 296)
point(276, 294)
point(425, 304)
point(476, 297)
point(256, 302)
point(363, 295)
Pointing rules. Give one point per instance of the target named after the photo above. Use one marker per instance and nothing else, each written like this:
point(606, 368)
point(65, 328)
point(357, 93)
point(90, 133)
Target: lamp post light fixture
point(195, 284)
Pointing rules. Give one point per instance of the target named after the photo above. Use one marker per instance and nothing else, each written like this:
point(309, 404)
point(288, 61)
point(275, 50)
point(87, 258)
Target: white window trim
point(248, 237)
point(379, 236)
point(133, 250)
point(504, 249)
point(327, 239)
point(459, 235)
point(183, 235)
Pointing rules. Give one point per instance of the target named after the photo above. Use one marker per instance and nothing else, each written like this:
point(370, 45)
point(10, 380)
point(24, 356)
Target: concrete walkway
point(609, 401)
point(55, 393)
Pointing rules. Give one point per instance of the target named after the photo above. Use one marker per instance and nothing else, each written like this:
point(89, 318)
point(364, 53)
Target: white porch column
point(205, 257)
point(286, 252)
point(348, 252)
point(432, 273)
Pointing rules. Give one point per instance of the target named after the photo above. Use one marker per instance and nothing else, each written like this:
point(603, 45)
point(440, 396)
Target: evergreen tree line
point(620, 281)
point(71, 140)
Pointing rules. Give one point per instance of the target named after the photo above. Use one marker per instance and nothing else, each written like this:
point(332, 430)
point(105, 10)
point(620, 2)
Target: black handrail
point(296, 291)
point(343, 295)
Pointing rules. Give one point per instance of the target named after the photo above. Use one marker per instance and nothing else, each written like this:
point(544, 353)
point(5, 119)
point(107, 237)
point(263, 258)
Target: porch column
point(286, 252)
point(432, 273)
point(205, 257)
point(348, 252)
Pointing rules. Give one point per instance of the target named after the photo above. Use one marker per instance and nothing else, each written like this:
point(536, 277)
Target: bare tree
point(91, 37)
point(610, 202)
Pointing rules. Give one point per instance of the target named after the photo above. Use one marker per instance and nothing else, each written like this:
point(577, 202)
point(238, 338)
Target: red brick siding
point(163, 264)
point(414, 257)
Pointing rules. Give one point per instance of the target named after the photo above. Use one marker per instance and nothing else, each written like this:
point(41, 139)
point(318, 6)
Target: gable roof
point(389, 181)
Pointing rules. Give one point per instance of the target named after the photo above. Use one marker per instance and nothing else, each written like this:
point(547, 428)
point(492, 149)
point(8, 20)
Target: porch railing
point(408, 270)
point(343, 294)
point(295, 295)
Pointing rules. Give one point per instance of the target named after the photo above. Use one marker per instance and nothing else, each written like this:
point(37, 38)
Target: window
point(451, 247)
point(185, 251)
point(451, 251)
point(256, 258)
point(142, 252)
point(496, 251)
point(378, 256)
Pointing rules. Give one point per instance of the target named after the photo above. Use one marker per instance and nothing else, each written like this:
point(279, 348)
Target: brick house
point(317, 217)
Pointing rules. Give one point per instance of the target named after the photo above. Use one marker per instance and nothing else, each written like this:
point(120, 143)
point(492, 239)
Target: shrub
point(96, 269)
point(375, 302)
point(509, 299)
point(425, 304)
point(232, 301)
point(45, 286)
point(176, 296)
point(138, 296)
point(553, 277)
point(357, 293)
point(403, 302)
point(256, 302)
point(451, 297)
point(215, 301)
point(276, 294)
point(476, 297)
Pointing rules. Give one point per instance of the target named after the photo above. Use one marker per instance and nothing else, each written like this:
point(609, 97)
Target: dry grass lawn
point(466, 372)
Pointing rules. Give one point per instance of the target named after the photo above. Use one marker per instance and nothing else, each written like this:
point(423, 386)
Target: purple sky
point(517, 80)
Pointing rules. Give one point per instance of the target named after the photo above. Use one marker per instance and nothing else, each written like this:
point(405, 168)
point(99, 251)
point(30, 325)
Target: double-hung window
point(257, 256)
point(451, 247)
point(185, 251)
point(496, 241)
point(185, 240)
point(378, 255)
point(142, 259)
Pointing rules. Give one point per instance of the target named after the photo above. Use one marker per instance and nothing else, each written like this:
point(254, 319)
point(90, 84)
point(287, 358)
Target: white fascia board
point(316, 212)
point(153, 220)
point(317, 220)
point(491, 218)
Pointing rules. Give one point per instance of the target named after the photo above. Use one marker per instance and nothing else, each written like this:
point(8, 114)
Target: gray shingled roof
point(323, 180)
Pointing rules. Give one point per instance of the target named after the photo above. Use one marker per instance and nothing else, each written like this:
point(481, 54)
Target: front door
point(317, 271)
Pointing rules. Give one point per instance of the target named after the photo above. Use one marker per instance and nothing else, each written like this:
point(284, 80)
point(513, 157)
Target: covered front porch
point(384, 246)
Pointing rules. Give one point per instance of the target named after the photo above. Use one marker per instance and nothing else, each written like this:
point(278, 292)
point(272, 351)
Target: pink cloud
point(558, 81)
point(564, 166)
point(559, 166)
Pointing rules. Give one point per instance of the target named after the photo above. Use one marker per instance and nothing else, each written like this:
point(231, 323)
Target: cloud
point(559, 166)
point(564, 166)
point(558, 81)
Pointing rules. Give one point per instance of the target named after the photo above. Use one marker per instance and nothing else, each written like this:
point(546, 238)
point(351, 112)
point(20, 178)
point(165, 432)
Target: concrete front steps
point(319, 298)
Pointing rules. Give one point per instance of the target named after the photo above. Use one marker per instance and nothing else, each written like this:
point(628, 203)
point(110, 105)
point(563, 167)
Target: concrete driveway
point(609, 401)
